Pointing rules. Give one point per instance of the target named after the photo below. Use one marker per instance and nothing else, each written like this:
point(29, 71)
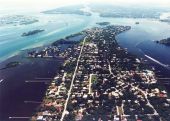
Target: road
point(71, 86)
point(110, 69)
point(146, 97)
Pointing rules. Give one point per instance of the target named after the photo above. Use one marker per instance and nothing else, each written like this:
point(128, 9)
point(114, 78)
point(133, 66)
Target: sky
point(39, 5)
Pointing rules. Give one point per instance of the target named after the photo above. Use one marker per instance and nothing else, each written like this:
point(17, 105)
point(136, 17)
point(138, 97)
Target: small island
point(167, 19)
point(136, 22)
point(11, 65)
point(32, 32)
point(164, 41)
point(103, 23)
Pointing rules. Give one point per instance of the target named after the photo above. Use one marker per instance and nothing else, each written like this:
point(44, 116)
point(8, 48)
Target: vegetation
point(103, 23)
point(63, 41)
point(32, 32)
point(94, 78)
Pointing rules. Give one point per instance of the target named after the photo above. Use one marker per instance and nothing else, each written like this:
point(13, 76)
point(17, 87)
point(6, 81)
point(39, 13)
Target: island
point(32, 32)
point(164, 41)
point(103, 23)
point(11, 65)
point(167, 19)
point(136, 22)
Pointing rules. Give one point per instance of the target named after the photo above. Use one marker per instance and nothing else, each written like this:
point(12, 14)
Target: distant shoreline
point(164, 41)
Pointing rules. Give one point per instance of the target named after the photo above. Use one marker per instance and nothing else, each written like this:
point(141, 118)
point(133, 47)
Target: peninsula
point(99, 80)
point(77, 10)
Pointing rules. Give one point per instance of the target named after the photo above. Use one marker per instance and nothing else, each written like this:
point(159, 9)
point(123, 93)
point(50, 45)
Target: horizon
point(40, 5)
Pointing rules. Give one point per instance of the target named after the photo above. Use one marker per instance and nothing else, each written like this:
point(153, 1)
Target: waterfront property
point(102, 81)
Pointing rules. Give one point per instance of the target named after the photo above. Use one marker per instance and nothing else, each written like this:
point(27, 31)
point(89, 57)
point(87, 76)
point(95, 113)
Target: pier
point(32, 102)
point(164, 78)
point(19, 117)
point(39, 80)
point(44, 78)
point(165, 81)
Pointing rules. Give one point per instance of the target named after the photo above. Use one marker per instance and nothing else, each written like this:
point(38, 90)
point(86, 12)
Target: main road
point(71, 86)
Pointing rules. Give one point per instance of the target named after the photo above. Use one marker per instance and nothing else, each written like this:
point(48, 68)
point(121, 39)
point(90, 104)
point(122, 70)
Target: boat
point(1, 80)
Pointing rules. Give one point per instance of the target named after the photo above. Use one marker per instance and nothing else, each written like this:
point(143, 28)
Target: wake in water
point(136, 45)
point(158, 62)
point(1, 80)
point(154, 60)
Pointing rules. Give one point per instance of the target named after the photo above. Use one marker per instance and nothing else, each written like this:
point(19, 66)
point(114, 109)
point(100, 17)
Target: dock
point(19, 117)
point(32, 102)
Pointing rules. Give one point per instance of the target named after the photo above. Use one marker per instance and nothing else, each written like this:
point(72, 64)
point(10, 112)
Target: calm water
point(138, 40)
point(14, 90)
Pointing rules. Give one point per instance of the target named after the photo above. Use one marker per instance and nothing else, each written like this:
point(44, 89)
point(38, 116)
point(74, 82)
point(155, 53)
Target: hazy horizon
point(40, 5)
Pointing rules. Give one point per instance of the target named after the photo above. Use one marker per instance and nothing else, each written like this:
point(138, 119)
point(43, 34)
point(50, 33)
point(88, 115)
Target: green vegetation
point(69, 66)
point(103, 23)
point(74, 35)
point(86, 42)
point(94, 78)
point(32, 32)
